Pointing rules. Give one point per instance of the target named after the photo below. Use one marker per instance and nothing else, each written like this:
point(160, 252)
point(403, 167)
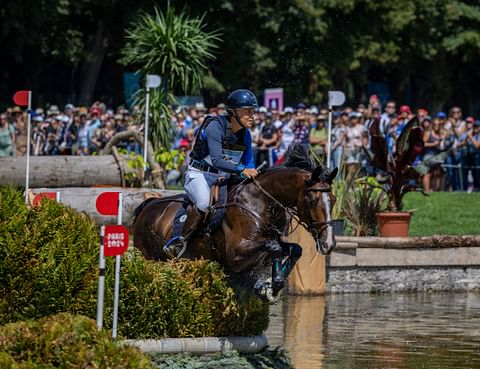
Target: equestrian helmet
point(239, 99)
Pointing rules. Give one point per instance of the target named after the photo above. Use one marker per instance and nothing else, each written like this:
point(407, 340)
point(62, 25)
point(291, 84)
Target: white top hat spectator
point(314, 110)
point(69, 107)
point(39, 111)
point(200, 106)
point(53, 110)
point(288, 109)
point(262, 109)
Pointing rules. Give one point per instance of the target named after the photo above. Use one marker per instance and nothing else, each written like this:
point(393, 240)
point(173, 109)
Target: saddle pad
point(180, 218)
point(219, 208)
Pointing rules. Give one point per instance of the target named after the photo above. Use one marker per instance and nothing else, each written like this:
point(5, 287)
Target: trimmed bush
point(64, 341)
point(185, 299)
point(49, 263)
point(48, 259)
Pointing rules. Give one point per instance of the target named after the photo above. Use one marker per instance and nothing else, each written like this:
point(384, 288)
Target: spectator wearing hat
point(7, 137)
point(301, 129)
point(92, 126)
point(267, 141)
point(318, 138)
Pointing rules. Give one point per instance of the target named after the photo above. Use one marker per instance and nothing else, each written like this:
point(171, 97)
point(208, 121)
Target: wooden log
point(61, 171)
point(84, 199)
point(412, 242)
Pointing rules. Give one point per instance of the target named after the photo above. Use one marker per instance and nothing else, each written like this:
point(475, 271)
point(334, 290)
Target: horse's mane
point(297, 157)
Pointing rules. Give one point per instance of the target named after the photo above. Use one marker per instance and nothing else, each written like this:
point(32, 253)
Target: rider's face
point(247, 117)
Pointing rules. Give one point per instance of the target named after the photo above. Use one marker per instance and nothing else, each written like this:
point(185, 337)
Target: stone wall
point(376, 265)
point(402, 279)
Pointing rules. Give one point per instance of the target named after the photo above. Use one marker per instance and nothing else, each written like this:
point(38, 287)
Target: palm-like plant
point(398, 166)
point(175, 46)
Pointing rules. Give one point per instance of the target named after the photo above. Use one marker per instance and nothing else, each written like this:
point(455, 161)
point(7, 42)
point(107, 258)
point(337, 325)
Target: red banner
point(38, 198)
point(107, 203)
point(21, 98)
point(115, 240)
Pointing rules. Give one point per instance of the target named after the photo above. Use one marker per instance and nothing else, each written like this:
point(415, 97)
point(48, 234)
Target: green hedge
point(49, 262)
point(64, 341)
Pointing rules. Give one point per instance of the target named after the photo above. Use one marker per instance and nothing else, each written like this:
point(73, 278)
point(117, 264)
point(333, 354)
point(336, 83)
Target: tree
point(176, 47)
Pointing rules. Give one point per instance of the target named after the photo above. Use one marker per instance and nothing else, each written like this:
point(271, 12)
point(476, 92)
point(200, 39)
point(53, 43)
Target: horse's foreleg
point(291, 253)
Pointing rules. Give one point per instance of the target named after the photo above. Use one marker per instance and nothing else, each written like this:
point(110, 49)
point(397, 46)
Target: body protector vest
point(233, 146)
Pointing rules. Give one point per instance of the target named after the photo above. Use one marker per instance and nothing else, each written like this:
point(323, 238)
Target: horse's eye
point(313, 201)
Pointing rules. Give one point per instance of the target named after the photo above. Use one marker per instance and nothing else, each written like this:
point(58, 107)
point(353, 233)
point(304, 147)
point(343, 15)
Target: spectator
point(432, 138)
point(267, 141)
point(7, 137)
point(318, 138)
point(353, 144)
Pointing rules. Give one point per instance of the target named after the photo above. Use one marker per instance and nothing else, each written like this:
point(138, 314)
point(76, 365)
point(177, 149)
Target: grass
point(451, 213)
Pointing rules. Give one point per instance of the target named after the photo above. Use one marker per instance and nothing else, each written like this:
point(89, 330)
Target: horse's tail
point(140, 207)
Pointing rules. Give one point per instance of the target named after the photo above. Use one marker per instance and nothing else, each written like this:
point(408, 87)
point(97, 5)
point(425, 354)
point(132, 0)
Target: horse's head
point(315, 206)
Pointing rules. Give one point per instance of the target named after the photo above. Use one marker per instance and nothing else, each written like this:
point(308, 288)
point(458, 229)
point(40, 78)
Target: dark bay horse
point(257, 214)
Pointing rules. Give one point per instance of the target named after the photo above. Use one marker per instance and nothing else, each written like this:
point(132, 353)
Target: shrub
point(64, 341)
point(49, 262)
point(185, 299)
point(48, 259)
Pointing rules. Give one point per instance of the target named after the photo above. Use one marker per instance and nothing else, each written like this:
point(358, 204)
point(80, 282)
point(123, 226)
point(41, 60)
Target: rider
point(223, 145)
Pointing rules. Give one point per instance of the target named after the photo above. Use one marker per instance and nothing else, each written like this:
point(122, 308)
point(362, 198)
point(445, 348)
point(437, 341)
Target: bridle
point(295, 214)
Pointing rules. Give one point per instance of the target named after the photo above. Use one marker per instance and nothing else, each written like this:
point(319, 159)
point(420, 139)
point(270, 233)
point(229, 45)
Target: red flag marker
point(107, 203)
point(21, 98)
point(38, 198)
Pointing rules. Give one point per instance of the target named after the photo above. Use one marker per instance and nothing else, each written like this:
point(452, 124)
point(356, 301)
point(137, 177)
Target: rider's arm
point(214, 136)
point(247, 158)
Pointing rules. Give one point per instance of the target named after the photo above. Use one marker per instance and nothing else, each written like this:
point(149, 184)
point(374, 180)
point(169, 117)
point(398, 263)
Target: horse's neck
point(285, 185)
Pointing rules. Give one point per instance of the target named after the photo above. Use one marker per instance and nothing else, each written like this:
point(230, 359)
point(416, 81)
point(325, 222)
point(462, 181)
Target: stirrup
point(168, 250)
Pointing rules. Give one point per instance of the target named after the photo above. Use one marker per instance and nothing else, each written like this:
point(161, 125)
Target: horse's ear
point(332, 176)
point(316, 174)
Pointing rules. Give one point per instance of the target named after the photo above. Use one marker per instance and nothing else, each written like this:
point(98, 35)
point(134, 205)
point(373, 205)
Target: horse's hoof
point(266, 291)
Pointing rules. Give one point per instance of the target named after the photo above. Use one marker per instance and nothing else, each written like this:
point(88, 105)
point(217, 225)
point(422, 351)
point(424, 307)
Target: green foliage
point(276, 358)
point(48, 264)
point(170, 159)
point(364, 199)
point(64, 341)
point(48, 258)
point(184, 299)
point(175, 46)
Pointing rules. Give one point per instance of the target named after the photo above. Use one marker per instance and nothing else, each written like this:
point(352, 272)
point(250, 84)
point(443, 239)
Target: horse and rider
point(252, 211)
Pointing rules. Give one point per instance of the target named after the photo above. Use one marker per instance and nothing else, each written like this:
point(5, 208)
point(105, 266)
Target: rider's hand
point(250, 172)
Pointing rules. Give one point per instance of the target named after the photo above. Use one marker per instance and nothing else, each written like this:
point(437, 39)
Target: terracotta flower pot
point(394, 224)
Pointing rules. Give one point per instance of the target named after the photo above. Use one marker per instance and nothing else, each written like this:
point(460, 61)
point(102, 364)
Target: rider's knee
point(203, 205)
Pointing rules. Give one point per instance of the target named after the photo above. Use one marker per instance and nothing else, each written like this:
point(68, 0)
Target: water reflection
point(379, 331)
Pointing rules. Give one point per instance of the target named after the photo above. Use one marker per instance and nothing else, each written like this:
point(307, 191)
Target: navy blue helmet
point(242, 99)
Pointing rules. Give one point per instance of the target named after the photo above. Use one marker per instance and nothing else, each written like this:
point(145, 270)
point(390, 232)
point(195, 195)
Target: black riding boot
point(177, 247)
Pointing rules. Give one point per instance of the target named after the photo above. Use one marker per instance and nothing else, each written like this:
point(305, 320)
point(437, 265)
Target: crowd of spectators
point(72, 131)
point(452, 142)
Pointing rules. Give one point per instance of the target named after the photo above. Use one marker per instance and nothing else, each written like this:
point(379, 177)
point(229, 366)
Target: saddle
point(218, 199)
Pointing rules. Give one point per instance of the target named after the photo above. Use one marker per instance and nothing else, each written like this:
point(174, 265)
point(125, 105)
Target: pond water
point(395, 331)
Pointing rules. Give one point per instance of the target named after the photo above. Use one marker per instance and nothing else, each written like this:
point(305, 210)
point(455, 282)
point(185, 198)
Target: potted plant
point(397, 176)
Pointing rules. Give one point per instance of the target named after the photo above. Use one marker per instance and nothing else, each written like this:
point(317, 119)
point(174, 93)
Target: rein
point(294, 214)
